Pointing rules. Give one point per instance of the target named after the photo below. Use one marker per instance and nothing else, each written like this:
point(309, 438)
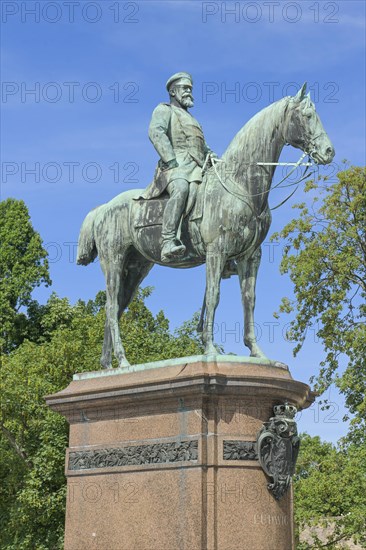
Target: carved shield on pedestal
point(278, 448)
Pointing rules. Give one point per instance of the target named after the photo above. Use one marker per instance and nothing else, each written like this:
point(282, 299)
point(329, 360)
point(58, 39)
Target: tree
point(329, 490)
point(325, 255)
point(33, 438)
point(23, 266)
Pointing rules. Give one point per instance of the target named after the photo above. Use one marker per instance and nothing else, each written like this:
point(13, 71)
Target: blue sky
point(97, 71)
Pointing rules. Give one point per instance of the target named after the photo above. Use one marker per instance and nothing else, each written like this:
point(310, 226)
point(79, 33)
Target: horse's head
point(305, 131)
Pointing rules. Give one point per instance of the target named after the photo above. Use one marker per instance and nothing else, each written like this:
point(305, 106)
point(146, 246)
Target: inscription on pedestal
point(156, 453)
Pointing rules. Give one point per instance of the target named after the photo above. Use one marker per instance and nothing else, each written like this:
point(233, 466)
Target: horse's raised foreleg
point(247, 271)
point(214, 266)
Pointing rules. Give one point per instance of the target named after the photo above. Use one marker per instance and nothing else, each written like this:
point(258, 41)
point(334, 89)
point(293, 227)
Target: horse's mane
point(254, 135)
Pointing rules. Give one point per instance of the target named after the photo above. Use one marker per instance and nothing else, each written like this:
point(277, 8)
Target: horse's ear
point(301, 93)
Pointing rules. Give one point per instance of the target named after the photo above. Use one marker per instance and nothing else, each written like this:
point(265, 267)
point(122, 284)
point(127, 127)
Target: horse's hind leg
point(114, 288)
point(136, 270)
point(133, 274)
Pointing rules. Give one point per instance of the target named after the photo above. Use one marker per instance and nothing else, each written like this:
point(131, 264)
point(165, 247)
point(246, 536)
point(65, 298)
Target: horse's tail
point(87, 250)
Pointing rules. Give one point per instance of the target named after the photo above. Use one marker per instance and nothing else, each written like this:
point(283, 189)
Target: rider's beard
point(187, 101)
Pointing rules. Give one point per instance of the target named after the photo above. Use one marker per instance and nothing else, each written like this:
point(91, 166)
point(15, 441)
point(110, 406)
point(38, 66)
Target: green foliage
point(33, 438)
point(329, 490)
point(147, 338)
point(325, 255)
point(23, 266)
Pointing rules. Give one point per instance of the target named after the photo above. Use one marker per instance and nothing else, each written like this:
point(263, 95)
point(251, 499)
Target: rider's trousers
point(178, 191)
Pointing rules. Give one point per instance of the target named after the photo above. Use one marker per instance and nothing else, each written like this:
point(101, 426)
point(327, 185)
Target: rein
point(244, 197)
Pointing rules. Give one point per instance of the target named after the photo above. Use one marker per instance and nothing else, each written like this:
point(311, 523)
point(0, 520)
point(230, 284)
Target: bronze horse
point(233, 221)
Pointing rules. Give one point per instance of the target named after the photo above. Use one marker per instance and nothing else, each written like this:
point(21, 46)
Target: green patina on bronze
point(198, 209)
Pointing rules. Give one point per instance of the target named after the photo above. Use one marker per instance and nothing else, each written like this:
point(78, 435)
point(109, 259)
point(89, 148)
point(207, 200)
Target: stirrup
point(172, 249)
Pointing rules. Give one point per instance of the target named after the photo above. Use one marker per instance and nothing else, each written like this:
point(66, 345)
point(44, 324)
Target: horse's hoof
point(258, 354)
point(212, 349)
point(123, 364)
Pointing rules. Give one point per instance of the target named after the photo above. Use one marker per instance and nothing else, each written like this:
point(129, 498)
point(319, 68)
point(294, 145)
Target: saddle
point(147, 219)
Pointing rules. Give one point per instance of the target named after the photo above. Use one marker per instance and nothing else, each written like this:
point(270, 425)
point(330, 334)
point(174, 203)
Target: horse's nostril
point(330, 151)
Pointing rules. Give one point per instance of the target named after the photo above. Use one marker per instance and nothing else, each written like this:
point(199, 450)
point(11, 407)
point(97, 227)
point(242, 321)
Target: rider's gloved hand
point(168, 165)
point(211, 158)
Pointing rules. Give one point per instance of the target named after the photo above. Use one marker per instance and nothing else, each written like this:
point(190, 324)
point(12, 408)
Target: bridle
point(235, 190)
point(308, 149)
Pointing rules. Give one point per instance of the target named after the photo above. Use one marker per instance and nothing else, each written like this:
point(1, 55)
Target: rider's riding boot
point(172, 247)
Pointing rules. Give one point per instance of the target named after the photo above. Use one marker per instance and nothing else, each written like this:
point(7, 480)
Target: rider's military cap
point(177, 77)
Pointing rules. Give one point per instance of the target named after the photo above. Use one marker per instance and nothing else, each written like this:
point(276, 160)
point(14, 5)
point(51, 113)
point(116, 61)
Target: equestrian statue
point(198, 208)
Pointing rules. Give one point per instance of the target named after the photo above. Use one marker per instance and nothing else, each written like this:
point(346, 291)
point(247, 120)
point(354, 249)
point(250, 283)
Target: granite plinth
point(165, 458)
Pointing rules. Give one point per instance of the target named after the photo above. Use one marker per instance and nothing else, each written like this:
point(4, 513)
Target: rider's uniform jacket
point(176, 134)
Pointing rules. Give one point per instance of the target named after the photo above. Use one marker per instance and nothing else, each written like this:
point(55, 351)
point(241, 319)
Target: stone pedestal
point(163, 456)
